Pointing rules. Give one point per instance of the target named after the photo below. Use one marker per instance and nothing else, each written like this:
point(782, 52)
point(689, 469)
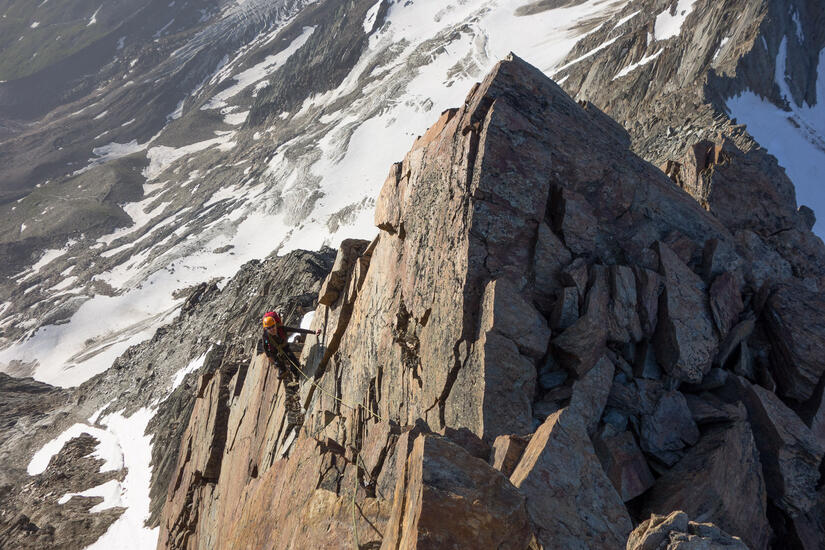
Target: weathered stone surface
point(718, 480)
point(590, 393)
point(649, 285)
point(577, 274)
point(449, 499)
point(582, 344)
point(570, 500)
point(335, 282)
point(575, 220)
point(737, 336)
point(789, 451)
point(725, 302)
point(795, 318)
point(669, 428)
point(676, 532)
point(624, 464)
point(565, 311)
point(506, 453)
point(685, 338)
point(550, 257)
point(764, 264)
point(625, 325)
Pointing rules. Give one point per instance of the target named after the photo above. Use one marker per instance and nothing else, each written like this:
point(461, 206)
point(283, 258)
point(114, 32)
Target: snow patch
point(193, 365)
point(633, 66)
point(669, 25)
point(162, 157)
point(107, 449)
point(128, 531)
point(111, 492)
point(93, 18)
point(372, 15)
point(260, 71)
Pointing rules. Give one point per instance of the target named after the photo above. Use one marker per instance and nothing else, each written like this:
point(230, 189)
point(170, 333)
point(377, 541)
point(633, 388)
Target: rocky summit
point(548, 345)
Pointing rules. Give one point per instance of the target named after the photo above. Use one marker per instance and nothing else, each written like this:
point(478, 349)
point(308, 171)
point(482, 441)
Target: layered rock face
point(547, 343)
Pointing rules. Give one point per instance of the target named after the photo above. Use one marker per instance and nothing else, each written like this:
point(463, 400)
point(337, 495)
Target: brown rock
point(507, 451)
point(580, 346)
point(574, 218)
point(624, 464)
point(590, 393)
point(719, 480)
point(569, 498)
point(335, 282)
point(449, 499)
point(678, 533)
point(795, 319)
point(685, 338)
point(549, 259)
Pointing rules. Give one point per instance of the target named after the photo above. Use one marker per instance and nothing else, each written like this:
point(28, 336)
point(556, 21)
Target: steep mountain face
point(547, 343)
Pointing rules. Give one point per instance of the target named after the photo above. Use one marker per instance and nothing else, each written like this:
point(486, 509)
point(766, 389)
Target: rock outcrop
point(541, 347)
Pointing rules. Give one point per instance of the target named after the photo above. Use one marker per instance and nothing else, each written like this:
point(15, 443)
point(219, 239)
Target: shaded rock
point(646, 365)
point(576, 274)
point(506, 453)
point(565, 311)
point(764, 264)
point(549, 259)
point(709, 409)
point(676, 532)
point(582, 344)
point(795, 321)
point(649, 285)
point(570, 500)
point(685, 339)
point(725, 302)
point(789, 451)
point(549, 379)
point(575, 220)
point(718, 257)
point(625, 325)
point(624, 464)
point(719, 480)
point(590, 393)
point(449, 499)
point(669, 429)
point(738, 335)
point(335, 282)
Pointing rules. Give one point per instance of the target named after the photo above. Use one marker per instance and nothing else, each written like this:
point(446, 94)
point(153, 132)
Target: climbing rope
point(358, 458)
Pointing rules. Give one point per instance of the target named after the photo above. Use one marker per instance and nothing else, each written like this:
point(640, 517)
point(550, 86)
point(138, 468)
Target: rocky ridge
point(547, 343)
point(216, 326)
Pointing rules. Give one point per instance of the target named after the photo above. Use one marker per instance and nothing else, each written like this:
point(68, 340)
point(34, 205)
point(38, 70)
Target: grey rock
point(669, 429)
point(685, 338)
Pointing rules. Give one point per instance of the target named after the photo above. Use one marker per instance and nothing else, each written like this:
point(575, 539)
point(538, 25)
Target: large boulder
point(447, 499)
point(570, 499)
point(795, 318)
point(685, 337)
point(718, 480)
point(677, 532)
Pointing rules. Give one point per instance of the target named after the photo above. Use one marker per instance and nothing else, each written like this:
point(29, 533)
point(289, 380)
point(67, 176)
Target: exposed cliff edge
point(547, 342)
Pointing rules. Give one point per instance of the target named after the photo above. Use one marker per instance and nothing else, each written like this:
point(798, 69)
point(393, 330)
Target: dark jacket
point(272, 342)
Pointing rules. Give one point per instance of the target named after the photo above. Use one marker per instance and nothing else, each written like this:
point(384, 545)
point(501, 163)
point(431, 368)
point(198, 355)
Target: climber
point(276, 346)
